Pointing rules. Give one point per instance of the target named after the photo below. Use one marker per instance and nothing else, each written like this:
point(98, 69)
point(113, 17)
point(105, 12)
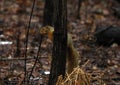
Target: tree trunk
point(48, 18)
point(78, 9)
point(60, 42)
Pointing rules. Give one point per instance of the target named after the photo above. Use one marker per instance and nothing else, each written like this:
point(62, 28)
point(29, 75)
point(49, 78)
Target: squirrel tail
point(72, 59)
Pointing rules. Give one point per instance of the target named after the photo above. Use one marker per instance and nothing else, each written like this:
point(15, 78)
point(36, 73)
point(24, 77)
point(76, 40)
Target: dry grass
point(79, 77)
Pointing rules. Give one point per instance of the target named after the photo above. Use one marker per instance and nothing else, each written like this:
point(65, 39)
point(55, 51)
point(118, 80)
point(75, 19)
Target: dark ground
point(97, 60)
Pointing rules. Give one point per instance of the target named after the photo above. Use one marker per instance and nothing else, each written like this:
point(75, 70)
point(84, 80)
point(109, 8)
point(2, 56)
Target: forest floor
point(97, 60)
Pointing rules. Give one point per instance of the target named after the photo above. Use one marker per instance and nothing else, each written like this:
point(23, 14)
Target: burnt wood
point(106, 36)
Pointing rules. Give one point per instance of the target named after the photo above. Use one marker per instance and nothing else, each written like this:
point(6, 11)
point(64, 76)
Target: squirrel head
point(47, 31)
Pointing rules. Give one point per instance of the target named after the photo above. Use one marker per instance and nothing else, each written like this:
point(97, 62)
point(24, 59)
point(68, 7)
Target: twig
point(10, 59)
point(26, 42)
point(37, 58)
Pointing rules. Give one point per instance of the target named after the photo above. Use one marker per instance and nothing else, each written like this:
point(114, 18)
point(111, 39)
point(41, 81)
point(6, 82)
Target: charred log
point(106, 36)
point(116, 12)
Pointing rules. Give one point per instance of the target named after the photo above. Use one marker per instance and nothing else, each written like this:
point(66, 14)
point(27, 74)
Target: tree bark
point(48, 18)
point(60, 42)
point(78, 9)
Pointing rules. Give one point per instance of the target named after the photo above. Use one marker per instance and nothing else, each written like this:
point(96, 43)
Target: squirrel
point(72, 54)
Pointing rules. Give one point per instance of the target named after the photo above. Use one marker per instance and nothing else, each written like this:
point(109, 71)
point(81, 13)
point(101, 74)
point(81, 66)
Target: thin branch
point(37, 58)
point(11, 59)
point(26, 43)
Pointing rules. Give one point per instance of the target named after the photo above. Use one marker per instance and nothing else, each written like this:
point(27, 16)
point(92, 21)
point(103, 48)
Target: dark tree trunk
point(78, 9)
point(18, 51)
point(49, 13)
point(118, 1)
point(60, 42)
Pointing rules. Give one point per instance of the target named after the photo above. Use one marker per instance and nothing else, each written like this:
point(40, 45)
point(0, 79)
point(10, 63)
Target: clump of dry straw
point(77, 77)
